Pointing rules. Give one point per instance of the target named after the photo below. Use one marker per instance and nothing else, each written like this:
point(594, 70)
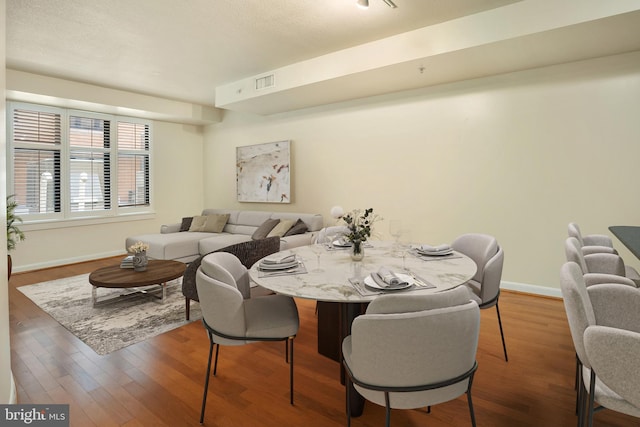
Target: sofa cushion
point(213, 223)
point(298, 228)
point(304, 239)
point(264, 229)
point(197, 223)
point(220, 240)
point(186, 223)
point(281, 228)
point(170, 246)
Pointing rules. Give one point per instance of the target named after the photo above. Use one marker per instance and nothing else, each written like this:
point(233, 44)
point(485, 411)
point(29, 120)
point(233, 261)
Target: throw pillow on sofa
point(215, 223)
point(264, 229)
point(209, 223)
point(298, 228)
point(282, 227)
point(186, 223)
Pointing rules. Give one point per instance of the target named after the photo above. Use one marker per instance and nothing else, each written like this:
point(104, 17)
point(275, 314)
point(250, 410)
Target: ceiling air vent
point(265, 82)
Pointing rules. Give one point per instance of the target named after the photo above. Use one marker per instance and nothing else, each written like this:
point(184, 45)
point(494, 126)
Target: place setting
point(340, 243)
point(280, 264)
point(434, 253)
point(386, 280)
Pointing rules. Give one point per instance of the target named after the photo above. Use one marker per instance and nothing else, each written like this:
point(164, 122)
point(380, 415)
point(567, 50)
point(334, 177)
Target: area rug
point(112, 325)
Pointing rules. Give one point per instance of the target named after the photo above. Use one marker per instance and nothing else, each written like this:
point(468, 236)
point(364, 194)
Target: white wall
point(7, 387)
point(517, 156)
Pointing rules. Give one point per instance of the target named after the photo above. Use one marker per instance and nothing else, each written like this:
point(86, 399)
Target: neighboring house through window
point(68, 164)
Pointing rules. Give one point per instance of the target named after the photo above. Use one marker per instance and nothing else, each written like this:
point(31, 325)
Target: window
point(67, 164)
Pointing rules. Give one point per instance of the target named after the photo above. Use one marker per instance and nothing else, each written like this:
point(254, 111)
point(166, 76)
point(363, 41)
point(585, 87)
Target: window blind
point(133, 164)
point(67, 163)
point(37, 138)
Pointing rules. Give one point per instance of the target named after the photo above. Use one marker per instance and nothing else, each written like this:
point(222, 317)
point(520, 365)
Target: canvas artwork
point(263, 172)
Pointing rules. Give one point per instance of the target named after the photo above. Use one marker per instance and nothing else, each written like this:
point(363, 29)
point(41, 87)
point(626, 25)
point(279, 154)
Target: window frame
point(66, 216)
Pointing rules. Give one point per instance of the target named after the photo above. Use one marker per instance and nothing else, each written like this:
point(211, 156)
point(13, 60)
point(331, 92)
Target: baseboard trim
point(531, 289)
point(66, 261)
point(13, 393)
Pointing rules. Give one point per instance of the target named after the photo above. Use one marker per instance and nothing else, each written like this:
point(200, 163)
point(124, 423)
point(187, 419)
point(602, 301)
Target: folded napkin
point(386, 278)
point(440, 248)
point(279, 259)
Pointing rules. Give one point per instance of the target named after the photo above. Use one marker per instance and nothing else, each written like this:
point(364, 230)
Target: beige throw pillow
point(215, 223)
point(209, 223)
point(283, 226)
point(197, 224)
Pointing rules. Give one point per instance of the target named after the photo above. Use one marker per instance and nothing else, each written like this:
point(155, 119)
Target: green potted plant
point(360, 226)
point(14, 234)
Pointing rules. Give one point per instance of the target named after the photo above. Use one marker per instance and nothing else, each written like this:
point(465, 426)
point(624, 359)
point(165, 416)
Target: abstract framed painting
point(263, 172)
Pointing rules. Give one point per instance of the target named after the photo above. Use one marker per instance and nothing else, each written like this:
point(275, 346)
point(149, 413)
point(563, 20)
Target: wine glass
point(395, 229)
point(317, 248)
point(329, 240)
point(405, 250)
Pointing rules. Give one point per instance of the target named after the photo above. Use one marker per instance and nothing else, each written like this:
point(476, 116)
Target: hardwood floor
point(159, 382)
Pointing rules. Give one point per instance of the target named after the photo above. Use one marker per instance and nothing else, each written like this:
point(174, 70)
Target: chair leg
point(504, 346)
point(206, 381)
point(290, 371)
point(348, 399)
point(592, 392)
point(470, 402)
point(187, 308)
point(577, 384)
point(581, 398)
point(387, 405)
point(215, 366)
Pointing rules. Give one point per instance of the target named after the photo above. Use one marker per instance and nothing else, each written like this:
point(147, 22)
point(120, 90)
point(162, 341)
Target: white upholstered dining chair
point(598, 267)
point(591, 243)
point(610, 305)
point(230, 319)
point(413, 351)
point(600, 243)
point(484, 250)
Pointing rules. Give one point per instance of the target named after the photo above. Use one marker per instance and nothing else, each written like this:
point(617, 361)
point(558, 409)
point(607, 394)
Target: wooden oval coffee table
point(158, 272)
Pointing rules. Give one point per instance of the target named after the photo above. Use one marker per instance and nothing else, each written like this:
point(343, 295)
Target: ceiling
point(186, 50)
point(183, 50)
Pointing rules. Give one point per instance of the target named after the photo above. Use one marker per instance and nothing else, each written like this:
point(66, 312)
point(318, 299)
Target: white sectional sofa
point(185, 246)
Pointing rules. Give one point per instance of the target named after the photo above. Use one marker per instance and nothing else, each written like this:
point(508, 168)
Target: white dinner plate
point(275, 259)
point(435, 253)
point(283, 266)
point(341, 244)
point(368, 281)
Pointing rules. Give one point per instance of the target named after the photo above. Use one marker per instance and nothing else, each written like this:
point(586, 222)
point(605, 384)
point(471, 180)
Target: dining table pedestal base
point(334, 324)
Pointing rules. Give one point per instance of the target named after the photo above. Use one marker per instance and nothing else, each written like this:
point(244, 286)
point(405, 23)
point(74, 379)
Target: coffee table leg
point(94, 295)
point(164, 291)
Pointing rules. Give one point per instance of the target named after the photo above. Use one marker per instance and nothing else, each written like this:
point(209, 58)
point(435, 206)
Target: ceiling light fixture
point(364, 4)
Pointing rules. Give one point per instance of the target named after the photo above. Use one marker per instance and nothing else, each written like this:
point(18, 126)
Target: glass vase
point(357, 250)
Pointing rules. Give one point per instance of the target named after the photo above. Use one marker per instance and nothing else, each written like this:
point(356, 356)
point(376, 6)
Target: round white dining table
point(334, 280)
